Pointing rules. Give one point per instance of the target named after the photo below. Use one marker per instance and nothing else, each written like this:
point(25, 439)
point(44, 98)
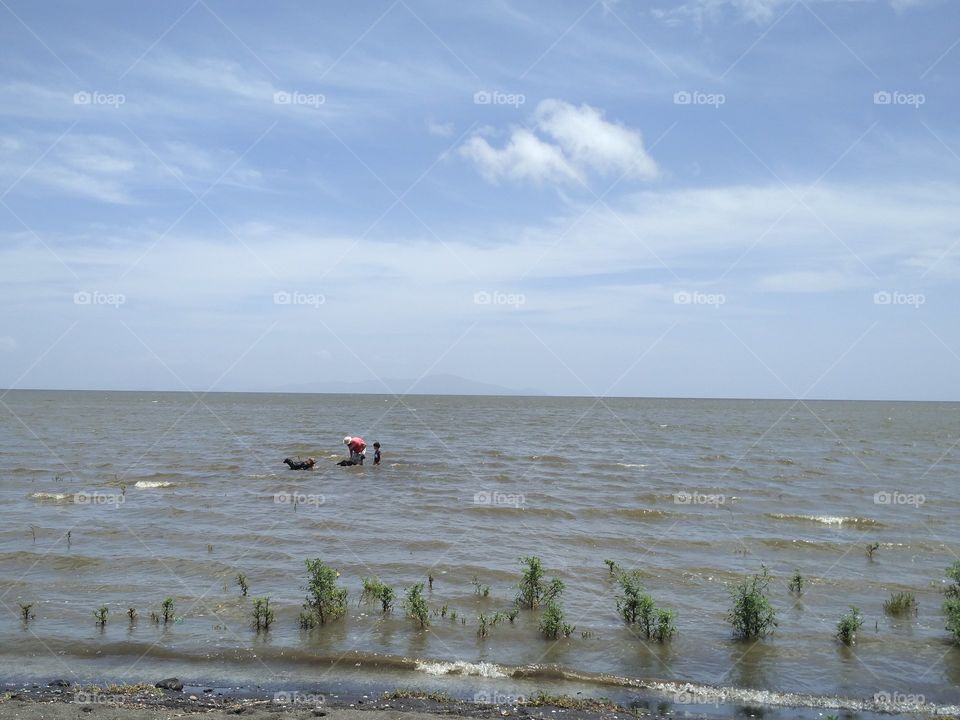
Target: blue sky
point(747, 198)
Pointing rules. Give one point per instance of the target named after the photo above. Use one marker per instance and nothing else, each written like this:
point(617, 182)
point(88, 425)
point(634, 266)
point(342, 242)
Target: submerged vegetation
point(751, 615)
point(242, 583)
point(796, 583)
point(951, 604)
point(416, 606)
point(637, 608)
point(900, 603)
point(534, 592)
point(325, 600)
point(262, 614)
point(100, 615)
point(849, 623)
point(552, 623)
point(26, 612)
point(374, 589)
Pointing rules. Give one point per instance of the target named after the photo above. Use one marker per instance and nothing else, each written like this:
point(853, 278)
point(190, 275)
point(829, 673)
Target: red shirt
point(357, 445)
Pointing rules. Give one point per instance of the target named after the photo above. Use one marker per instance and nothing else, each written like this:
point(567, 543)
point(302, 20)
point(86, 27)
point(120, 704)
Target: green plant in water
point(374, 589)
point(479, 588)
point(796, 583)
point(533, 590)
point(26, 612)
point(612, 567)
point(453, 615)
point(751, 614)
point(242, 582)
point(872, 548)
point(100, 615)
point(512, 615)
point(900, 603)
point(482, 629)
point(951, 604)
point(166, 610)
point(552, 624)
point(638, 608)
point(262, 613)
point(849, 624)
point(416, 606)
point(325, 600)
point(132, 615)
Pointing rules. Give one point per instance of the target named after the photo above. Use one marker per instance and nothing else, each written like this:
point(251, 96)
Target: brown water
point(165, 494)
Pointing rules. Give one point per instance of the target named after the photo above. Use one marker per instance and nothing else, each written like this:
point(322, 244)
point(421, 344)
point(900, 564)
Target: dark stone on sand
point(86, 708)
point(58, 683)
point(319, 713)
point(170, 684)
point(238, 710)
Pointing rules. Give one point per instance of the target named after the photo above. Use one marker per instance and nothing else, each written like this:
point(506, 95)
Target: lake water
point(123, 499)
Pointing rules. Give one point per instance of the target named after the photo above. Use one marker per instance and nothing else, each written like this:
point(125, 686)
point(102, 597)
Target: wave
point(461, 667)
point(837, 520)
point(52, 497)
point(146, 484)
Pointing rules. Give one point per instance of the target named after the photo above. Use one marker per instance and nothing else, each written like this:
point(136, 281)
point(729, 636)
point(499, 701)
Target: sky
point(693, 198)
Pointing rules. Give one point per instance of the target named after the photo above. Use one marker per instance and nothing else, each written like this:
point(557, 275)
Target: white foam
point(153, 484)
point(56, 497)
point(632, 465)
point(461, 667)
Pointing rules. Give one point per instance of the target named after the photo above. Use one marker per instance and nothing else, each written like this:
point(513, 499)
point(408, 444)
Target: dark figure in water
point(376, 453)
point(348, 463)
point(299, 464)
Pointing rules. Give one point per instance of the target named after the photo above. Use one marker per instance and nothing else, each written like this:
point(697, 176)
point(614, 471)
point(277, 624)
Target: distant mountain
point(442, 384)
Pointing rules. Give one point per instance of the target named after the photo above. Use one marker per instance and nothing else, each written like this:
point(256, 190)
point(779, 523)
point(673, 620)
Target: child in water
point(376, 453)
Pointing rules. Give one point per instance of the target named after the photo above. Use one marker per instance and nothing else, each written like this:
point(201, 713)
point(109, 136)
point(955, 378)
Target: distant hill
point(442, 384)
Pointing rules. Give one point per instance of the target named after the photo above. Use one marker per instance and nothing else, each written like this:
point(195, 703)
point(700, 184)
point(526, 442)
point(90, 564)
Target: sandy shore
point(38, 702)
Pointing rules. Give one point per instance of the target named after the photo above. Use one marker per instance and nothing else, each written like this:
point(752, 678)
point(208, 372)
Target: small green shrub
point(953, 573)
point(166, 610)
point(665, 627)
point(872, 548)
point(26, 612)
point(262, 613)
point(638, 608)
point(612, 567)
point(951, 604)
point(100, 615)
point(533, 590)
point(416, 606)
point(242, 582)
point(552, 624)
point(900, 603)
point(751, 614)
point(132, 615)
point(325, 600)
point(796, 583)
point(482, 629)
point(849, 624)
point(479, 588)
point(374, 589)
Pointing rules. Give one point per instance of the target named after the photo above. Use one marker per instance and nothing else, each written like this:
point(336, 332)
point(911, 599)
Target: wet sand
point(34, 702)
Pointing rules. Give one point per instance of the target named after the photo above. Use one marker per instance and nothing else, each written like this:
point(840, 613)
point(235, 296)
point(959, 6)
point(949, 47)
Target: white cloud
point(438, 129)
point(575, 141)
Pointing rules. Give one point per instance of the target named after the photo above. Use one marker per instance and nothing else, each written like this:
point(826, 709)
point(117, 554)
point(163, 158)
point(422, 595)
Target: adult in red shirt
point(357, 448)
